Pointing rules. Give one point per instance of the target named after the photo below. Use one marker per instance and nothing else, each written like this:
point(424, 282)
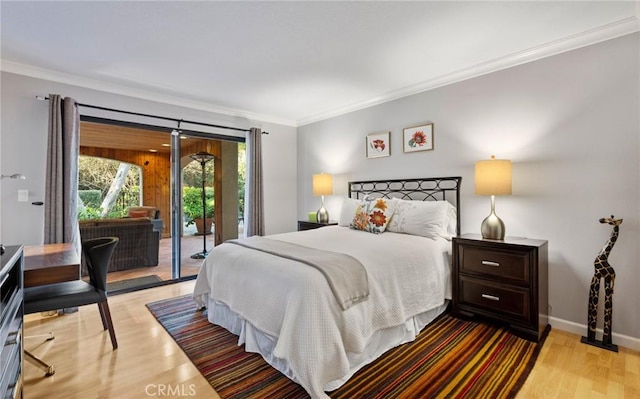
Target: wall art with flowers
point(418, 138)
point(378, 145)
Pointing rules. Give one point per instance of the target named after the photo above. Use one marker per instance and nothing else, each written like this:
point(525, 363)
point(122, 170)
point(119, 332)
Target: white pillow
point(452, 222)
point(347, 211)
point(424, 218)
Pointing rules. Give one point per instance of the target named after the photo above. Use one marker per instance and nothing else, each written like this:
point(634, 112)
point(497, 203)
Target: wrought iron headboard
point(425, 189)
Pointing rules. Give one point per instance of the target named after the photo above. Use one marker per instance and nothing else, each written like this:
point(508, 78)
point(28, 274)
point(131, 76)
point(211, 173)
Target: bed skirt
point(258, 342)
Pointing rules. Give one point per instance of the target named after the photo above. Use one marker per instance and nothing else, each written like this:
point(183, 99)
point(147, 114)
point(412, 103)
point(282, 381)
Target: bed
point(317, 327)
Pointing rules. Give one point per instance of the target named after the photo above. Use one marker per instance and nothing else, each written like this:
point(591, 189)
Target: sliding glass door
point(165, 178)
point(194, 182)
point(209, 179)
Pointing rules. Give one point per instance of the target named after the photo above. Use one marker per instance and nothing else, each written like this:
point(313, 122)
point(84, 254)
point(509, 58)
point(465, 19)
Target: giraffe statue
point(603, 270)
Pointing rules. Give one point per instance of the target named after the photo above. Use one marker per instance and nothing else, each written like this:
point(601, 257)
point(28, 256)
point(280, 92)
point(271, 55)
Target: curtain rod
point(179, 121)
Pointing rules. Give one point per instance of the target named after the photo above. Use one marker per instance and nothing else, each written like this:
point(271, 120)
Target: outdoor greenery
point(89, 213)
point(192, 174)
point(91, 198)
point(94, 179)
point(242, 176)
point(192, 203)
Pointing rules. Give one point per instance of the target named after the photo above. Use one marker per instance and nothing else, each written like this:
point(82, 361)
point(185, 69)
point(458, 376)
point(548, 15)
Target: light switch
point(23, 195)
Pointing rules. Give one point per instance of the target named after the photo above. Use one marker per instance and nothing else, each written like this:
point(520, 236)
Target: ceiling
point(99, 135)
point(118, 137)
point(290, 62)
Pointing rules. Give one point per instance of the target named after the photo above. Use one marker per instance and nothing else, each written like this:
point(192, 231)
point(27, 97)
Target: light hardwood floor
point(148, 363)
point(147, 359)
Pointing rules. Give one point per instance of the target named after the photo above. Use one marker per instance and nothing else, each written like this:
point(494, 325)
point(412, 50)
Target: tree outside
point(192, 174)
point(95, 177)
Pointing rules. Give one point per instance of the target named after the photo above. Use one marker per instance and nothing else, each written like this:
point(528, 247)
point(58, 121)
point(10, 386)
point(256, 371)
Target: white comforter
point(294, 304)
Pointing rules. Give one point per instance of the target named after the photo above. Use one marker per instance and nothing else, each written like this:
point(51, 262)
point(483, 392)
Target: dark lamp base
point(200, 255)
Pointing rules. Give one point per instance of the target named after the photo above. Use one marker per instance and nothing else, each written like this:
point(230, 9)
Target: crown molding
point(589, 37)
point(592, 36)
point(95, 84)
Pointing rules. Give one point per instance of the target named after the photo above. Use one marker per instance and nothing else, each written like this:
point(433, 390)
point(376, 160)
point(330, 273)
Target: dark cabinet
point(11, 319)
point(504, 280)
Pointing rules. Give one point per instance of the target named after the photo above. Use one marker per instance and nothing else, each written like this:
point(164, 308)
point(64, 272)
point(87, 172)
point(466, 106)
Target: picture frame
point(418, 138)
point(378, 145)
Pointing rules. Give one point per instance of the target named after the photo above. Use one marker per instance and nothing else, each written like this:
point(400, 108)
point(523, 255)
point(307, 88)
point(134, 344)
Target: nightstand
point(307, 225)
point(504, 280)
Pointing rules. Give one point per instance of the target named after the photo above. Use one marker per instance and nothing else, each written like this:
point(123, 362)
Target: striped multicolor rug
point(452, 358)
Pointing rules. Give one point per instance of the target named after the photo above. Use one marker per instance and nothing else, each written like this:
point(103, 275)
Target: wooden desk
point(50, 263)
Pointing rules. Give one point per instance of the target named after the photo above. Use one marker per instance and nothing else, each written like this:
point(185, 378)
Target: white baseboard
point(580, 329)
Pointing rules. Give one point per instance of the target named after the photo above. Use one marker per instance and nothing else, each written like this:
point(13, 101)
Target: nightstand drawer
point(507, 300)
point(504, 264)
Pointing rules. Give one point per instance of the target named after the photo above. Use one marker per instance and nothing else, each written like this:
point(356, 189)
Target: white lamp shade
point(493, 177)
point(322, 184)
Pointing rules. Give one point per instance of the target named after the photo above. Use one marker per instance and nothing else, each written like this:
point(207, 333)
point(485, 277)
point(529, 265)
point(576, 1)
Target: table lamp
point(322, 185)
point(493, 177)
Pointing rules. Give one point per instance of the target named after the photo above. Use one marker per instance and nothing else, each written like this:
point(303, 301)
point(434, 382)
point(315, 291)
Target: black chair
point(70, 294)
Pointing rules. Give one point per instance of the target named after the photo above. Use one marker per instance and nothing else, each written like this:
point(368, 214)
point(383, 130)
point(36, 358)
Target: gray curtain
point(254, 196)
point(61, 189)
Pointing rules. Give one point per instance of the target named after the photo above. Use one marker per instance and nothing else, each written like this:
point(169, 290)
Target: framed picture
point(418, 138)
point(378, 145)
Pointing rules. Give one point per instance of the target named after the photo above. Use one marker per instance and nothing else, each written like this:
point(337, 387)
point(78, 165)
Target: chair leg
point(104, 321)
point(104, 306)
point(36, 361)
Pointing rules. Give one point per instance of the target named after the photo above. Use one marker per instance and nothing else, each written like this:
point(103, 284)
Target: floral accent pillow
point(373, 215)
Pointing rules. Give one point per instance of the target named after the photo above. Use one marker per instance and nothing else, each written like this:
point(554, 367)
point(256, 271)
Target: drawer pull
point(490, 297)
point(12, 338)
point(490, 263)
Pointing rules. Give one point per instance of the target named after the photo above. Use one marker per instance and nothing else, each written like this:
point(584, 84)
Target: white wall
point(570, 124)
point(23, 144)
